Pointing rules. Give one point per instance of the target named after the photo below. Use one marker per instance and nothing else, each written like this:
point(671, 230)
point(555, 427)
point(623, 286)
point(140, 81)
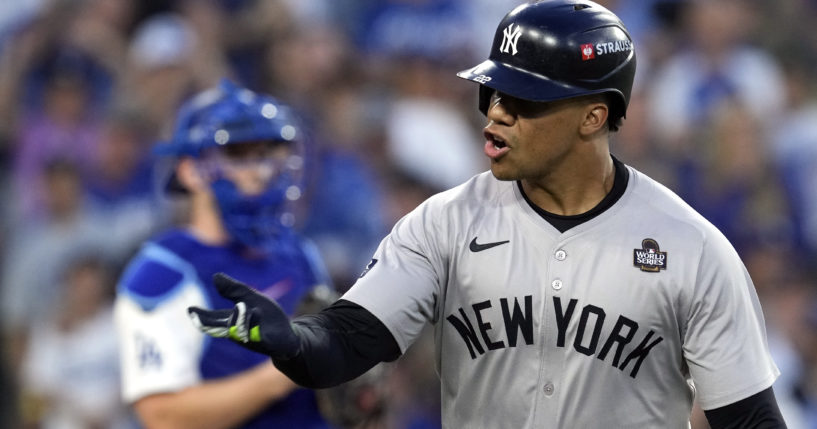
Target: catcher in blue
point(238, 158)
point(565, 288)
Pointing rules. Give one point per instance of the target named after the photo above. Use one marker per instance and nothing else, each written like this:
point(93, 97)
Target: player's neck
point(205, 223)
point(577, 186)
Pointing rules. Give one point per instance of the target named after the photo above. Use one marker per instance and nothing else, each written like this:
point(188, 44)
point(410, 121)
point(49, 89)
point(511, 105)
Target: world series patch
point(650, 258)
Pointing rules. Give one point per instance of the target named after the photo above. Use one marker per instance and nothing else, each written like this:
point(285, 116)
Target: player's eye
point(519, 107)
point(255, 150)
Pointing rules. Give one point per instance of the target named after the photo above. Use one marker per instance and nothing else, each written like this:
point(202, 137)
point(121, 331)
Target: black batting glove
point(256, 322)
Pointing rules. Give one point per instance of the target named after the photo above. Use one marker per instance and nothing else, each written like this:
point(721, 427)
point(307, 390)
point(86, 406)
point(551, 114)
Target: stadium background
point(724, 112)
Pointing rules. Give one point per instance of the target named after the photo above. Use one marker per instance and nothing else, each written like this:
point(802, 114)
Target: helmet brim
point(521, 83)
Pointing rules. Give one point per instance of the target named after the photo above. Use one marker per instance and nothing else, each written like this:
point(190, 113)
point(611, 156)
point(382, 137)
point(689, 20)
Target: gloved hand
point(256, 322)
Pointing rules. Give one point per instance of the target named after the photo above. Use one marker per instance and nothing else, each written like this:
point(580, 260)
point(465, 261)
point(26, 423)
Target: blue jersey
point(175, 271)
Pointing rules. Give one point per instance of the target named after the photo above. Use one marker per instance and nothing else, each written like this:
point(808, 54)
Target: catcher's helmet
point(228, 114)
point(555, 49)
point(231, 115)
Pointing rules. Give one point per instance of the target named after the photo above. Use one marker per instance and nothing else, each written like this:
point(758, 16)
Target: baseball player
point(238, 159)
point(566, 289)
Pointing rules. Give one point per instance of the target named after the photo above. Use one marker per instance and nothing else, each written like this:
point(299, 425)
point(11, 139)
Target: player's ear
point(595, 118)
point(189, 176)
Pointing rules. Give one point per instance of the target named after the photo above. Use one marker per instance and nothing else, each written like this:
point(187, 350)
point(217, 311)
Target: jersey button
point(556, 284)
point(560, 255)
point(549, 389)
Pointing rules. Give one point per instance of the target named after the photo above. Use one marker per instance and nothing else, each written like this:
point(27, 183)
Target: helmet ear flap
point(485, 94)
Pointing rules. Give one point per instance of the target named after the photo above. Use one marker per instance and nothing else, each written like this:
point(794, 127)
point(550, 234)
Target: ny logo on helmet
point(482, 78)
point(510, 38)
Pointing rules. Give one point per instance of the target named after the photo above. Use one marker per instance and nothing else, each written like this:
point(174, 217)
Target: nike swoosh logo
point(476, 247)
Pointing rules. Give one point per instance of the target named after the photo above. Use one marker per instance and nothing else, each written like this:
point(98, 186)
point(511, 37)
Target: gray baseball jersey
point(618, 322)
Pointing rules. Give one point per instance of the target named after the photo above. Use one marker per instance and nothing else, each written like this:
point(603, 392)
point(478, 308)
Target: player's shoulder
point(468, 200)
point(291, 245)
point(480, 191)
point(179, 241)
point(158, 269)
point(650, 199)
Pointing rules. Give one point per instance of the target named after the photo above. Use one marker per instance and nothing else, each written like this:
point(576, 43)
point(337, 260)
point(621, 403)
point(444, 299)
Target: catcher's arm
point(319, 350)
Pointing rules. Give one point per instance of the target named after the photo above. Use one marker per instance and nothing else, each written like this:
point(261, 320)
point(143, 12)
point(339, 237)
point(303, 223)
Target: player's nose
point(498, 113)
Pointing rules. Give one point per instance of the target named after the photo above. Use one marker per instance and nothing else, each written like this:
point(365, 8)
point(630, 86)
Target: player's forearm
point(218, 404)
point(320, 350)
point(759, 411)
point(337, 345)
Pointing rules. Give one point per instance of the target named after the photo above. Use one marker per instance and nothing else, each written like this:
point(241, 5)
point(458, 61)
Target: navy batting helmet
point(557, 49)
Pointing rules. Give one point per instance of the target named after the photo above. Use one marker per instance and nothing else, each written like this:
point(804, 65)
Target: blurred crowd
point(724, 112)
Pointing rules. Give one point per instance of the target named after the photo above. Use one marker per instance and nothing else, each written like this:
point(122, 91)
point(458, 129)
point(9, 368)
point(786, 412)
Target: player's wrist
point(277, 338)
point(288, 342)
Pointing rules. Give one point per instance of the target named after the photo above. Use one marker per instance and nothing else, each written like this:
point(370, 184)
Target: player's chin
point(502, 172)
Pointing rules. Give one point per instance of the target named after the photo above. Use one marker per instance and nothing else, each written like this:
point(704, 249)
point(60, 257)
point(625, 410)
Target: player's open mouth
point(495, 145)
point(498, 142)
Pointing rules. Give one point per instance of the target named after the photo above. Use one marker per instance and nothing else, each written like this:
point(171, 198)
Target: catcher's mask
point(211, 127)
